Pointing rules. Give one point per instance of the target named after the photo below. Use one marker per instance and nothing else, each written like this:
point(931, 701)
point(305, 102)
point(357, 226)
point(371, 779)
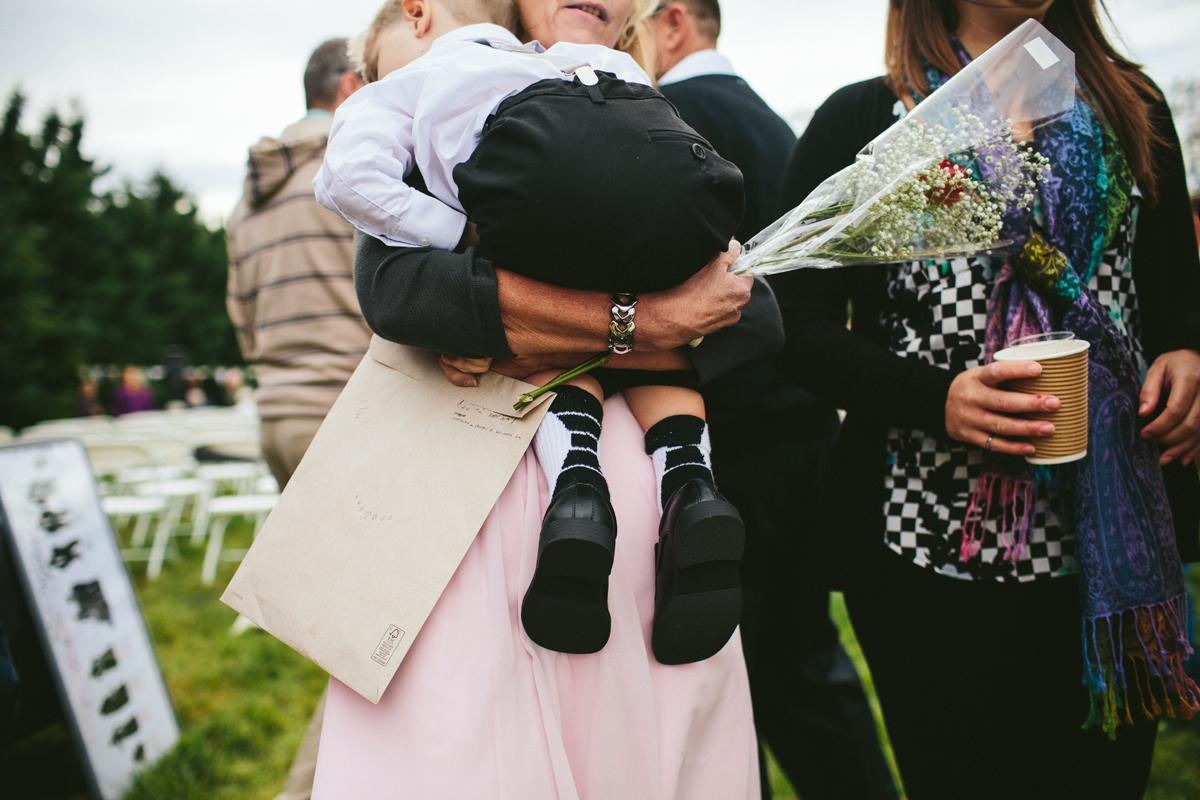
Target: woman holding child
point(488, 702)
point(963, 564)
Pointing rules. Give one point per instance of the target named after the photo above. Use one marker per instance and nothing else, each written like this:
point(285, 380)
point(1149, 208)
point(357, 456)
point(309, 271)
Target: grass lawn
point(244, 703)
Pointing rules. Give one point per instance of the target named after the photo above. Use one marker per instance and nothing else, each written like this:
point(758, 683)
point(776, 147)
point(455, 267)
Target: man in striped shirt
point(291, 273)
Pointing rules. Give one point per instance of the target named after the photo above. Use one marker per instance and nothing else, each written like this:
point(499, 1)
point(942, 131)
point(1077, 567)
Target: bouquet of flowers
point(946, 180)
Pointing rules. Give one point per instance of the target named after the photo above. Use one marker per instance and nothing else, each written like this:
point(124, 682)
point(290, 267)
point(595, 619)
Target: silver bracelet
point(620, 329)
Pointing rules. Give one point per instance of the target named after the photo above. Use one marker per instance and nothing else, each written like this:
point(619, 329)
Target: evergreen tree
point(86, 278)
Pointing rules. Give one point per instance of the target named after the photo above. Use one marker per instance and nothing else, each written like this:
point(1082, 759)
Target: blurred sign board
point(81, 598)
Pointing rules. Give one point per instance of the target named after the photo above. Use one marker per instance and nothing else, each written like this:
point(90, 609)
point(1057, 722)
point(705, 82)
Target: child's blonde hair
point(364, 48)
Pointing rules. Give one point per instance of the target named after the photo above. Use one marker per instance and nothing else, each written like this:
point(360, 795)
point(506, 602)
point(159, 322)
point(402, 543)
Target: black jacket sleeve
point(850, 368)
point(1166, 267)
point(430, 298)
point(758, 334)
point(1166, 271)
point(449, 302)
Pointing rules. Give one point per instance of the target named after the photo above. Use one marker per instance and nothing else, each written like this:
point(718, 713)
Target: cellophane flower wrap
point(950, 178)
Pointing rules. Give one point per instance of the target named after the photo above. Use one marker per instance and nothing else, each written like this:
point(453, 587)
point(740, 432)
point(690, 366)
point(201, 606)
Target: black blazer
point(751, 405)
point(742, 128)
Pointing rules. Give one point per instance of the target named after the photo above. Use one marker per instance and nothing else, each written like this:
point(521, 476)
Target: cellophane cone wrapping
point(950, 178)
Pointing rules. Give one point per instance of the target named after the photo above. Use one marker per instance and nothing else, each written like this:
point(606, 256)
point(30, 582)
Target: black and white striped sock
point(679, 448)
point(568, 442)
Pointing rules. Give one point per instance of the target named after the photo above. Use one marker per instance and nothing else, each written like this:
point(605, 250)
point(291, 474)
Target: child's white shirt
point(429, 115)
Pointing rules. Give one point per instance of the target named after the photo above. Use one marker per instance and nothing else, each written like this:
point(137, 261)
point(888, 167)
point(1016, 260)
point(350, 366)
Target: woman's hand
point(976, 408)
point(462, 371)
point(705, 303)
point(1178, 426)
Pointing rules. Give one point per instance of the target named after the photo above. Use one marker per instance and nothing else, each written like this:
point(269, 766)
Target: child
point(575, 172)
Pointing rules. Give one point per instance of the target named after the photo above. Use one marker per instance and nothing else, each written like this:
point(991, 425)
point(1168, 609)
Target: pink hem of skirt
point(478, 711)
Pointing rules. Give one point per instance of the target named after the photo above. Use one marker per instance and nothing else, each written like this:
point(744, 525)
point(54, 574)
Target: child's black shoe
point(698, 595)
point(566, 606)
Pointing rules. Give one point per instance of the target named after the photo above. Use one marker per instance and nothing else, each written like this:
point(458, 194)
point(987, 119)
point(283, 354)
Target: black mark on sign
point(91, 601)
point(53, 521)
point(64, 555)
point(104, 663)
point(114, 701)
point(125, 731)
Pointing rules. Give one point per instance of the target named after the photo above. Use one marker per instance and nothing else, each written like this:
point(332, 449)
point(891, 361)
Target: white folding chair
point(235, 475)
point(113, 454)
point(74, 427)
point(221, 511)
point(126, 479)
point(266, 485)
point(143, 510)
point(179, 492)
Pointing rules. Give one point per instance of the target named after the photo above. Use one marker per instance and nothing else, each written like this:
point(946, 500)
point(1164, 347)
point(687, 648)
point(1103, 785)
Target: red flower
point(952, 192)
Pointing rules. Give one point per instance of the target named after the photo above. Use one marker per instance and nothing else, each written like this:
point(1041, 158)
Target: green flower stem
point(598, 360)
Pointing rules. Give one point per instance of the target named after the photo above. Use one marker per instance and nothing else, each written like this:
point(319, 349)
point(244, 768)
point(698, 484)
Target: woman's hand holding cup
point(978, 411)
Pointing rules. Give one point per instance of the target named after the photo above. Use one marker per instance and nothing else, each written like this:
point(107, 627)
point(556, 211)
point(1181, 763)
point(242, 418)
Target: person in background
point(237, 393)
point(291, 273)
point(195, 395)
point(291, 297)
point(174, 380)
point(86, 404)
point(976, 647)
point(770, 440)
point(132, 394)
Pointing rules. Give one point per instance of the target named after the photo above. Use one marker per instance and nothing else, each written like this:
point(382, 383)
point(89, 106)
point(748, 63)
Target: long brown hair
point(916, 33)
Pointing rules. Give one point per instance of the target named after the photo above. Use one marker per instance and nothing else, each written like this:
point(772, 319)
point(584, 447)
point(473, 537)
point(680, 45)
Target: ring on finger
point(988, 444)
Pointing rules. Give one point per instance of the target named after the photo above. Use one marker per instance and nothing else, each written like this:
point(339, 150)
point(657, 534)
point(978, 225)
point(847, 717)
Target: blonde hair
point(363, 49)
point(636, 39)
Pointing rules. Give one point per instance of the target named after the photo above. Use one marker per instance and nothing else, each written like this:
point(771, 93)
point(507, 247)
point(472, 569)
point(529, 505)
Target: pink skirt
point(477, 710)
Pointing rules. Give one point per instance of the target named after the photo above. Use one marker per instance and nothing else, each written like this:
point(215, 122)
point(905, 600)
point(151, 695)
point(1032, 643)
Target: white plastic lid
point(1042, 351)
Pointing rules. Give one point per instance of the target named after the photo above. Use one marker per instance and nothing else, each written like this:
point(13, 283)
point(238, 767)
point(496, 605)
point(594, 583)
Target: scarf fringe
point(1017, 499)
point(1152, 641)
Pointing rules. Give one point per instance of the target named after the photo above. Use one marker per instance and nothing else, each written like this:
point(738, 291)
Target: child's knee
point(652, 404)
point(585, 382)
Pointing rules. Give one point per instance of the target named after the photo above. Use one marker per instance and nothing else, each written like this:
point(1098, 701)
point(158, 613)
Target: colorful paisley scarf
point(1134, 608)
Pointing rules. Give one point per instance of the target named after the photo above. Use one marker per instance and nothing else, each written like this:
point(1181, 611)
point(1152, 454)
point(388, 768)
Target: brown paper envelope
point(380, 512)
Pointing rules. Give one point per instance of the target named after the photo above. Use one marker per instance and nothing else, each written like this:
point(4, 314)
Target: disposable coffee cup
point(1064, 361)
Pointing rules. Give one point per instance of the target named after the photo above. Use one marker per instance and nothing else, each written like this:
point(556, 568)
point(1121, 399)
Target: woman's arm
point(849, 368)
point(757, 334)
point(852, 369)
point(1166, 268)
point(540, 318)
point(1166, 271)
point(458, 303)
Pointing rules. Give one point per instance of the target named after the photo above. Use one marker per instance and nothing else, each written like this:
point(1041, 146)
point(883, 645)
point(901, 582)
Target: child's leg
point(652, 404)
point(566, 605)
point(676, 435)
point(568, 442)
point(697, 595)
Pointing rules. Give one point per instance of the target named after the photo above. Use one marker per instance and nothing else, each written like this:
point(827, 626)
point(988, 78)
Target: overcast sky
point(187, 87)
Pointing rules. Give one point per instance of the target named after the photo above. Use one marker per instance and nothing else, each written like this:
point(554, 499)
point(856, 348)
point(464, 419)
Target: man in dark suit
point(770, 440)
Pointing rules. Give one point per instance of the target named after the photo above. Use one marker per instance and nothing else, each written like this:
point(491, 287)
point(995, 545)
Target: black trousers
point(809, 705)
point(980, 684)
